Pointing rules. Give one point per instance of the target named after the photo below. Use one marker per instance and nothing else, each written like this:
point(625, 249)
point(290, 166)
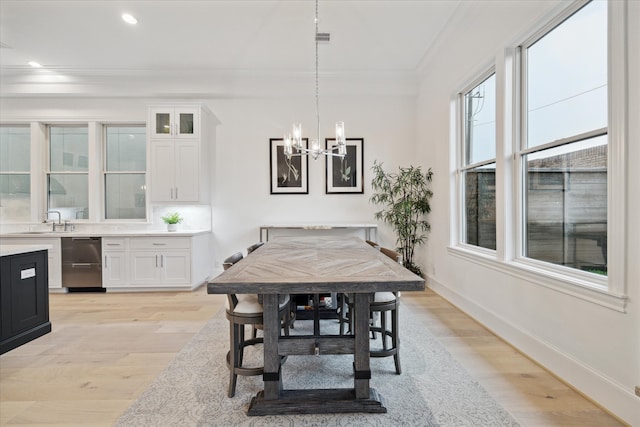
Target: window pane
point(125, 149)
point(69, 194)
point(186, 123)
point(15, 149)
point(15, 188)
point(567, 78)
point(69, 149)
point(15, 197)
point(480, 206)
point(480, 122)
point(566, 201)
point(163, 123)
point(125, 196)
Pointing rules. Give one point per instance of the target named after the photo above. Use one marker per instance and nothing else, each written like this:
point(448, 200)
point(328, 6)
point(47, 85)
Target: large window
point(478, 169)
point(563, 151)
point(15, 177)
point(124, 172)
point(67, 179)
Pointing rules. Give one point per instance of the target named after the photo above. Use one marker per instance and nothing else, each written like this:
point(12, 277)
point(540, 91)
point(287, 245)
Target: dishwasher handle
point(81, 265)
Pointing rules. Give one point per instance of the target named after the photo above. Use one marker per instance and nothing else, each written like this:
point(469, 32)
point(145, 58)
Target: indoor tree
point(405, 199)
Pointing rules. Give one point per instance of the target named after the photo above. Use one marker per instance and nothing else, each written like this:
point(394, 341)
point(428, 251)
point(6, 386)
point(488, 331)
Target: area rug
point(433, 389)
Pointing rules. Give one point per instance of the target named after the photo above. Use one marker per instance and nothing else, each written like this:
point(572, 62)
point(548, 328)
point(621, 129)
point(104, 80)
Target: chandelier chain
point(293, 141)
point(317, 84)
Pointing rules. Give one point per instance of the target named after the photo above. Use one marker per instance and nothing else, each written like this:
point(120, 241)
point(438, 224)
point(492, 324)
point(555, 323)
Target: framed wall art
point(345, 175)
point(288, 175)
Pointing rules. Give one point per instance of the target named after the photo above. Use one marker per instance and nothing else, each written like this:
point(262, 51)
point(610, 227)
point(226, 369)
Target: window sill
point(594, 291)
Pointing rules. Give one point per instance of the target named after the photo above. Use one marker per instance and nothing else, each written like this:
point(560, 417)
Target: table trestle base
point(319, 401)
point(303, 345)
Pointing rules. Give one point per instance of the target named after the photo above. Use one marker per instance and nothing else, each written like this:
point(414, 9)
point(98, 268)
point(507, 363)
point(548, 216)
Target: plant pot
point(172, 227)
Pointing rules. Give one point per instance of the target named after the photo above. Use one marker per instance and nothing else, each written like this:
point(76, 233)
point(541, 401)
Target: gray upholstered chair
point(254, 247)
point(343, 302)
point(373, 244)
point(382, 303)
point(242, 310)
point(291, 315)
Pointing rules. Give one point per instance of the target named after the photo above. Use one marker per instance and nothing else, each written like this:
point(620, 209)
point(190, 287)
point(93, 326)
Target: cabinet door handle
point(156, 261)
point(159, 244)
point(162, 261)
point(105, 262)
point(176, 193)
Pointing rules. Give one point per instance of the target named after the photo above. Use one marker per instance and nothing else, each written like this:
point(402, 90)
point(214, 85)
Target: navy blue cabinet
point(24, 298)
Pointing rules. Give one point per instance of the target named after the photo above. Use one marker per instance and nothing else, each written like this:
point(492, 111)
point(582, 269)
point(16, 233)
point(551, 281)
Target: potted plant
point(405, 197)
point(172, 220)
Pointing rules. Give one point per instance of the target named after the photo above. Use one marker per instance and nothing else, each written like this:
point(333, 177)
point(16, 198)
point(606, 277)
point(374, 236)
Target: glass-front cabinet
point(179, 158)
point(175, 122)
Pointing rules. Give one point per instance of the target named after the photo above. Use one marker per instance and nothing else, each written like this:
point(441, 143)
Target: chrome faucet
point(54, 225)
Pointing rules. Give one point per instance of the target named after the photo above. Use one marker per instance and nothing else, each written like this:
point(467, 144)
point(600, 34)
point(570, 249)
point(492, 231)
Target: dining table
point(315, 265)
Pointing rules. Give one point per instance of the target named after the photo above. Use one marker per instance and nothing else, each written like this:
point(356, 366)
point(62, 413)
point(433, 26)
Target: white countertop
point(320, 225)
point(105, 233)
point(6, 250)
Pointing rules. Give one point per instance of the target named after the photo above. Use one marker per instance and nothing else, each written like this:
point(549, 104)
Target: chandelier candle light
point(294, 140)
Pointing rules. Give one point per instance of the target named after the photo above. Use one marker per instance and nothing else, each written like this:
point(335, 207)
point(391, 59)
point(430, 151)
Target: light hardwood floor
point(105, 349)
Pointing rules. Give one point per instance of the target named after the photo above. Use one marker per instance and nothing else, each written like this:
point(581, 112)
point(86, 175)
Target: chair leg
point(395, 339)
point(342, 315)
point(286, 319)
point(239, 344)
point(233, 358)
point(383, 329)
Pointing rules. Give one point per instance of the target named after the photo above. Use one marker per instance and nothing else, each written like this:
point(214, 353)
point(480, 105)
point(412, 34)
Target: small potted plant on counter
point(172, 220)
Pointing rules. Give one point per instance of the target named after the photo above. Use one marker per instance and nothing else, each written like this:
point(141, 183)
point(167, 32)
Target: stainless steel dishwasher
point(82, 262)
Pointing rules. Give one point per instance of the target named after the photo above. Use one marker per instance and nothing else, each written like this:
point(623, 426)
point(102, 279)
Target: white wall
point(241, 199)
point(244, 202)
point(595, 348)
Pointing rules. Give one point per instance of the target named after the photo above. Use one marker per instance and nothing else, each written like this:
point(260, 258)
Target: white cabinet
point(114, 263)
point(172, 123)
point(175, 174)
point(179, 153)
point(135, 263)
point(160, 261)
point(54, 255)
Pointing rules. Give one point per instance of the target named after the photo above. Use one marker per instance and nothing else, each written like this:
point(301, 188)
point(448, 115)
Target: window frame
point(104, 173)
point(48, 172)
point(461, 164)
point(521, 150)
point(28, 173)
point(609, 292)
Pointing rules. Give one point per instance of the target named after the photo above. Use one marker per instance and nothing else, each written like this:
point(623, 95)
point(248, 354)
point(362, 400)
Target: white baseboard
point(594, 385)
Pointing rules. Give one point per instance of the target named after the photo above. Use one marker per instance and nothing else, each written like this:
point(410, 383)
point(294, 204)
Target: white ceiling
point(80, 41)
point(216, 48)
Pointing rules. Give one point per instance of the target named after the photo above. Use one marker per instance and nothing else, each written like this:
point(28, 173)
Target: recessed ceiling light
point(129, 19)
point(34, 64)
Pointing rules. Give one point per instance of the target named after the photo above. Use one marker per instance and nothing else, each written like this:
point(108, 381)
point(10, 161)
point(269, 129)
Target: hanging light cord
point(317, 85)
point(294, 139)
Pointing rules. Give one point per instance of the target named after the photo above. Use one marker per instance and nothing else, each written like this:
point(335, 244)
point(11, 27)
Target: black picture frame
point(345, 175)
point(288, 175)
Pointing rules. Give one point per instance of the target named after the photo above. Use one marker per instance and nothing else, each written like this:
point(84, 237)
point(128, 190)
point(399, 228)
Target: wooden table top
point(302, 265)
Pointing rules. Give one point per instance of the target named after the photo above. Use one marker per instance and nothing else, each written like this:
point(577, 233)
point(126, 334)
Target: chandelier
point(293, 140)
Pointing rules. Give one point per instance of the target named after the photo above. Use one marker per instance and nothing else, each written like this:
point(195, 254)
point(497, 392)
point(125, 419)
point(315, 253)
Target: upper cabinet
point(171, 123)
point(181, 149)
